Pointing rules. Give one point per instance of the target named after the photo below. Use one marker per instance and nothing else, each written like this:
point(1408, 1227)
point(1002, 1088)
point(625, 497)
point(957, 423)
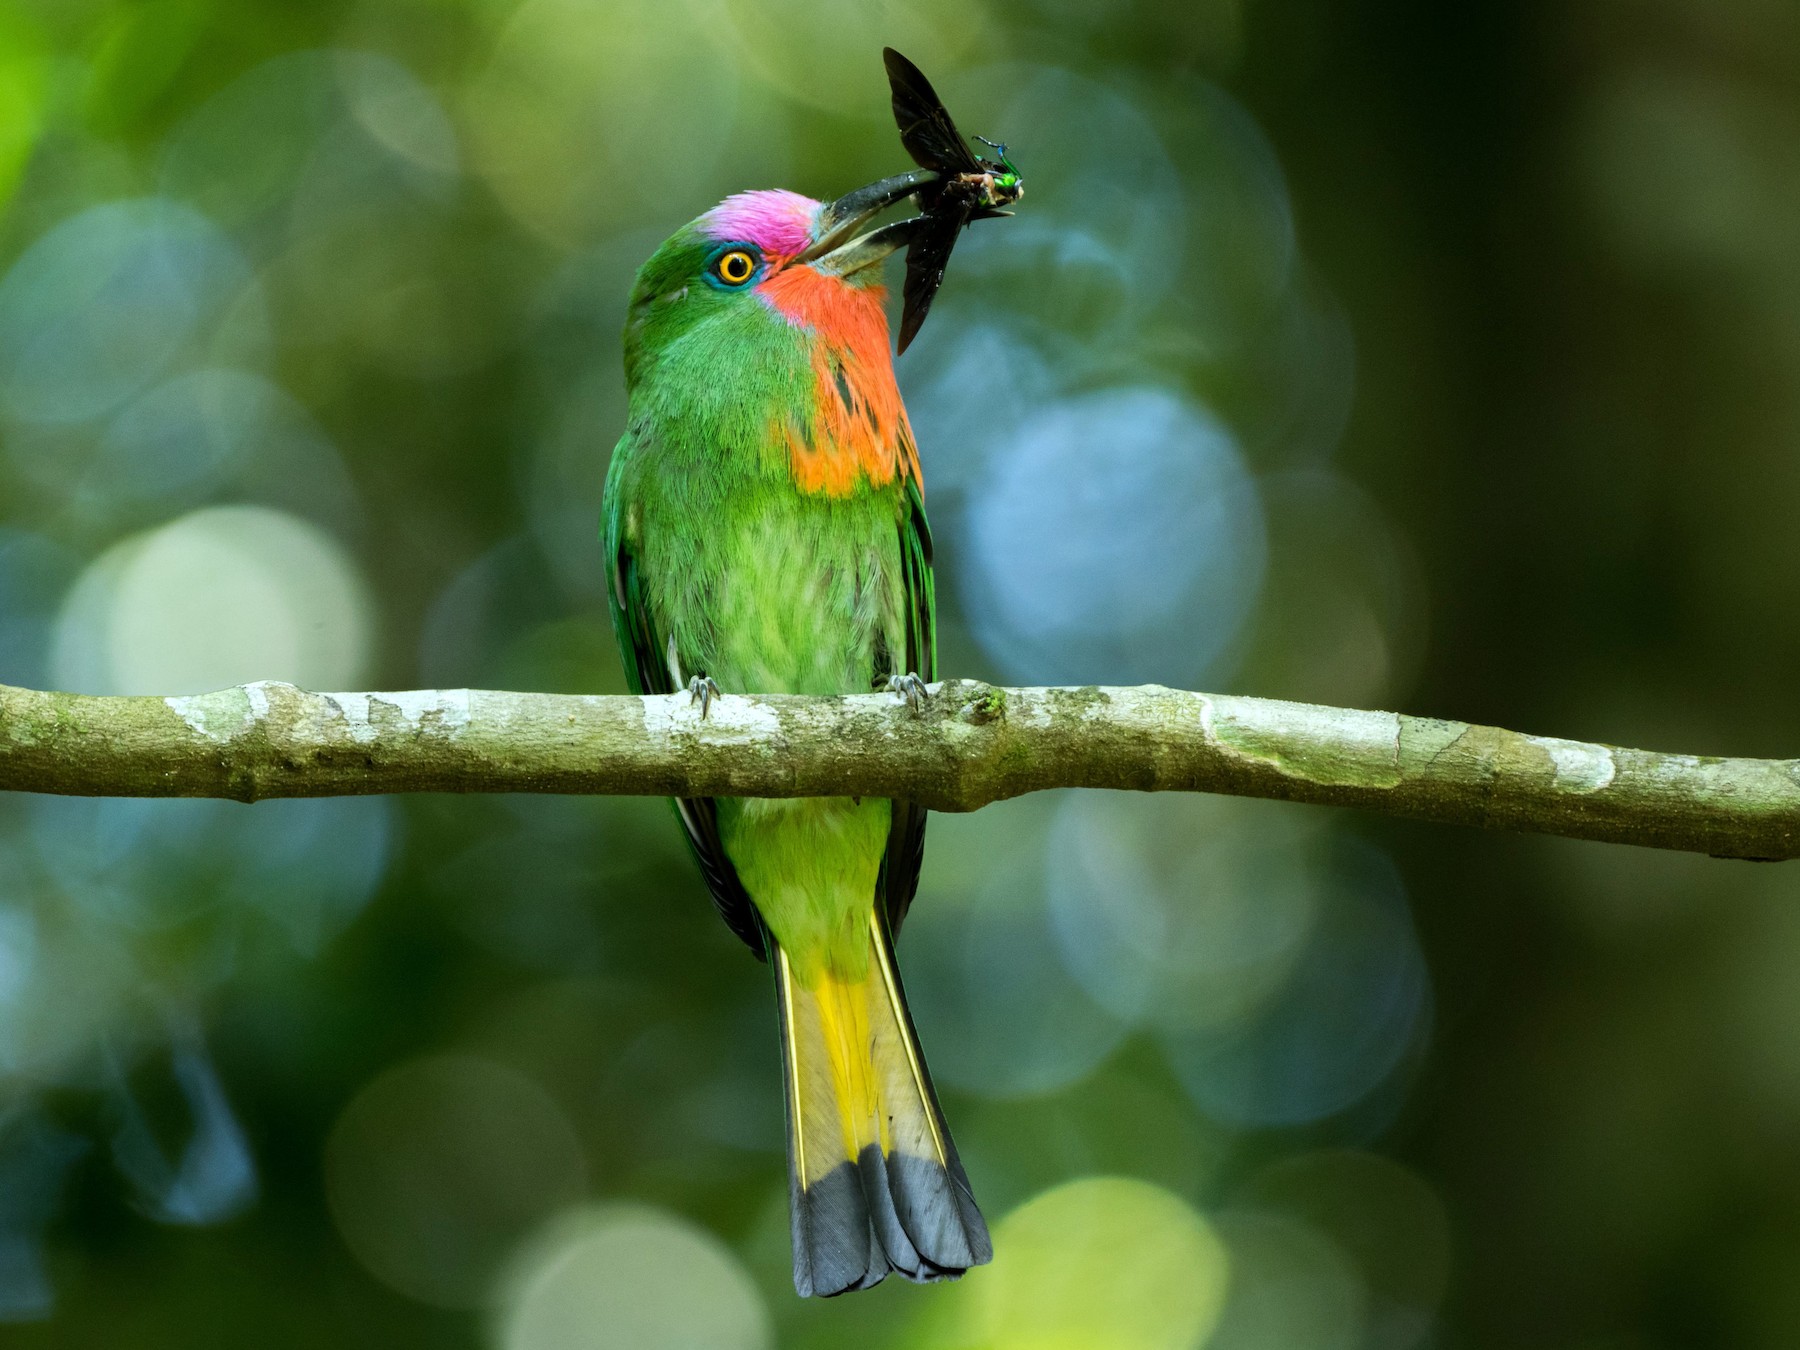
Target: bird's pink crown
point(775, 220)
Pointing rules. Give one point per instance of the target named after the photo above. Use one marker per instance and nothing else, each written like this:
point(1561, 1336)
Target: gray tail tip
point(885, 1214)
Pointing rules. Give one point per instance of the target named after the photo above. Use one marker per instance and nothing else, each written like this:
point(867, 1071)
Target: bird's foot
point(703, 691)
point(910, 687)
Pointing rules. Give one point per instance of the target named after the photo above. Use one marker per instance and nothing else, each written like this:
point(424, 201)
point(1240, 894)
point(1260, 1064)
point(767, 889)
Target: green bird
point(765, 528)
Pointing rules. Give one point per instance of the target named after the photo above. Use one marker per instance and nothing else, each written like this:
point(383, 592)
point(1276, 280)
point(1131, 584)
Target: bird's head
point(769, 257)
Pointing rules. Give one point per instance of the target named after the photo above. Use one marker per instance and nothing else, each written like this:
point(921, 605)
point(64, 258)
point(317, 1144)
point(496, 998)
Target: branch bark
point(972, 744)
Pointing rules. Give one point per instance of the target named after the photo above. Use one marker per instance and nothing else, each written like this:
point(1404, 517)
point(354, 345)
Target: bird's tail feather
point(874, 1179)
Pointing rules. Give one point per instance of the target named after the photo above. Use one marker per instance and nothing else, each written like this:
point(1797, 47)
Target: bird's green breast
point(778, 593)
point(763, 586)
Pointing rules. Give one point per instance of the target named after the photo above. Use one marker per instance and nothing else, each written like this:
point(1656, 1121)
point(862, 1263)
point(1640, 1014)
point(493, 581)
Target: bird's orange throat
point(858, 429)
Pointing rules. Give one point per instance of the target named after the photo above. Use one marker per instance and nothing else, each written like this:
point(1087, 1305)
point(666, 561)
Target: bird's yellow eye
point(734, 266)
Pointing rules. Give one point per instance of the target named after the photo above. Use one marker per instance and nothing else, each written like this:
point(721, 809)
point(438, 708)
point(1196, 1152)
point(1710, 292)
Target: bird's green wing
point(906, 836)
point(647, 672)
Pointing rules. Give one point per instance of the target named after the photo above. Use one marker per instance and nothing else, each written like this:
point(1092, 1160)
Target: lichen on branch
point(971, 744)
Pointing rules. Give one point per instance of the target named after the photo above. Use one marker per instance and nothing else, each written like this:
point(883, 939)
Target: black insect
point(967, 187)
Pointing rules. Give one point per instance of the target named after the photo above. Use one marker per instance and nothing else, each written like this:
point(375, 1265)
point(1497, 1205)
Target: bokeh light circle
point(1114, 538)
point(1101, 1263)
point(106, 302)
point(398, 112)
point(1094, 254)
point(570, 122)
point(34, 572)
point(308, 865)
point(1182, 911)
point(1240, 257)
point(1291, 1288)
point(311, 134)
point(1351, 1009)
point(1341, 614)
point(208, 433)
point(221, 596)
point(997, 1011)
point(1385, 1219)
point(631, 1275)
point(967, 391)
point(439, 1167)
point(827, 55)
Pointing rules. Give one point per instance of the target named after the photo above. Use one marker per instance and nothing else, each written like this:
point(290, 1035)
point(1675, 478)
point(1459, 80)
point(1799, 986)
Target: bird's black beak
point(837, 248)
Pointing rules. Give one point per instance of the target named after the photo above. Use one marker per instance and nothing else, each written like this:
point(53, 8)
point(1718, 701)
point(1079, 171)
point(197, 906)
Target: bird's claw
point(910, 687)
point(703, 691)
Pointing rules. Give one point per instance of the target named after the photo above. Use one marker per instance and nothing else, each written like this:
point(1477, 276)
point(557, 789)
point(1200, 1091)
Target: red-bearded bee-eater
point(765, 527)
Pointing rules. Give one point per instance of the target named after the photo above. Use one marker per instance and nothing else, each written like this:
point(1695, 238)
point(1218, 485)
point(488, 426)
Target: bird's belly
point(798, 611)
point(810, 865)
point(800, 597)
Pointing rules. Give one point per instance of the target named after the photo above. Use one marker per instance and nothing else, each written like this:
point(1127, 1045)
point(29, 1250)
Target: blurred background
point(1442, 358)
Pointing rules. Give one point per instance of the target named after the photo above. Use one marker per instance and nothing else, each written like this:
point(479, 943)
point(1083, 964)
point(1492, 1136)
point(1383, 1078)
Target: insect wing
point(926, 130)
point(926, 258)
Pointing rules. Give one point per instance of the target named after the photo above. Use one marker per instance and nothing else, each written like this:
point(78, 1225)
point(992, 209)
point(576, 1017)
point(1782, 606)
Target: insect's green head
point(1009, 177)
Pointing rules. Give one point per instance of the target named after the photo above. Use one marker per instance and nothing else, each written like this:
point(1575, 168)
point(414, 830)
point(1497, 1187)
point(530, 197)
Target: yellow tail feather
point(876, 1181)
point(874, 1075)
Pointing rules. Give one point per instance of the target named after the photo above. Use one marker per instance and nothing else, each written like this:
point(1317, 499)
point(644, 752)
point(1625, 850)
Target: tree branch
point(971, 745)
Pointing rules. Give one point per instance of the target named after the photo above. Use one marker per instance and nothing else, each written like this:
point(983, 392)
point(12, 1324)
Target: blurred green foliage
point(1370, 353)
